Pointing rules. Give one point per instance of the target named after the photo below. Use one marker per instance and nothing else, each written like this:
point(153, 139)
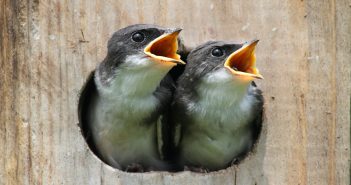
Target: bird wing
point(257, 122)
point(164, 93)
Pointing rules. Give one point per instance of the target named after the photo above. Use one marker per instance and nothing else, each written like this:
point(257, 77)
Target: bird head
point(237, 61)
point(150, 41)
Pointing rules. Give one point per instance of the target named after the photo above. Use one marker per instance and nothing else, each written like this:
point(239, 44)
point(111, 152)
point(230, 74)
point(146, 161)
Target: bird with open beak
point(217, 108)
point(128, 111)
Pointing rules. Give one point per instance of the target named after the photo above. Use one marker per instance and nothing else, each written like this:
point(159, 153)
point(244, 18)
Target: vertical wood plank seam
point(301, 103)
point(29, 47)
point(4, 55)
point(303, 127)
point(332, 131)
point(40, 175)
point(14, 79)
point(29, 156)
point(2, 92)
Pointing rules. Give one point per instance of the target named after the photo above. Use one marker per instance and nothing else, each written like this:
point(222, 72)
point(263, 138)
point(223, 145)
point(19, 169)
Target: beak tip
point(253, 42)
point(175, 30)
point(259, 76)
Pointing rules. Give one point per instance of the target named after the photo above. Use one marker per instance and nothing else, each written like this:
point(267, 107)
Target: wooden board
point(48, 48)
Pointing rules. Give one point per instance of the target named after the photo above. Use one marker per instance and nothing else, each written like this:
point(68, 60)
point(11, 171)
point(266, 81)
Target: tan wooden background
point(48, 48)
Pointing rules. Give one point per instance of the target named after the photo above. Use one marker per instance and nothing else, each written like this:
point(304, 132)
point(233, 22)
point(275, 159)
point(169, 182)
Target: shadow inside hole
point(90, 90)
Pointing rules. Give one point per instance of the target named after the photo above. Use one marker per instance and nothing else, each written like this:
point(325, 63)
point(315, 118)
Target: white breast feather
point(217, 131)
point(123, 105)
point(224, 99)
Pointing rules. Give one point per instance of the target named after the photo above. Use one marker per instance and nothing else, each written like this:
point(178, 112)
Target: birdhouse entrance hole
point(89, 89)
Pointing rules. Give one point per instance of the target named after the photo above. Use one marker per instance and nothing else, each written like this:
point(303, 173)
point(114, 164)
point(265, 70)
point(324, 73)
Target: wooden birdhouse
point(49, 48)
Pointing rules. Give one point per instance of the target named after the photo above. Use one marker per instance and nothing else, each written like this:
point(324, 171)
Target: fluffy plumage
point(217, 114)
point(125, 105)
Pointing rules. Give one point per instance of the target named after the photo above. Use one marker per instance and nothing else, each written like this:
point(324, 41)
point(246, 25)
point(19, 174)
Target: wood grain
point(48, 48)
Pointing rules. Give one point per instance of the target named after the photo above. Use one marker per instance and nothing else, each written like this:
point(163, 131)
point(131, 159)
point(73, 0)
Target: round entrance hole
point(89, 90)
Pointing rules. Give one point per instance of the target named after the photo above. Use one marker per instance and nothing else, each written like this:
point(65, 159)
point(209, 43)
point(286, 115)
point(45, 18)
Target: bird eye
point(138, 37)
point(217, 52)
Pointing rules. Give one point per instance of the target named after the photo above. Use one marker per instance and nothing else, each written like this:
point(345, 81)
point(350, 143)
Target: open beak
point(242, 62)
point(164, 48)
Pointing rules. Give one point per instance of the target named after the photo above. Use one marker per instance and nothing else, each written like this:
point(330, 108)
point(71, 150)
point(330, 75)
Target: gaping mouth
point(164, 48)
point(242, 62)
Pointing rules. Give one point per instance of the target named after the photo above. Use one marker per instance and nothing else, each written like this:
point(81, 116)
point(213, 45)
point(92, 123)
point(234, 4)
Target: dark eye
point(217, 52)
point(138, 37)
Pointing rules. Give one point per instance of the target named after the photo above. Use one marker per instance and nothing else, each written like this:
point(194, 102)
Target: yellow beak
point(164, 48)
point(242, 62)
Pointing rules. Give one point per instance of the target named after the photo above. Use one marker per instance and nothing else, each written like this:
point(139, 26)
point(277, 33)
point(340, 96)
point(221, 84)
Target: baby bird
point(131, 90)
point(217, 109)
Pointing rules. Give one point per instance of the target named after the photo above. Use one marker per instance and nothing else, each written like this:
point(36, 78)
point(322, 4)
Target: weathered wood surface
point(48, 48)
